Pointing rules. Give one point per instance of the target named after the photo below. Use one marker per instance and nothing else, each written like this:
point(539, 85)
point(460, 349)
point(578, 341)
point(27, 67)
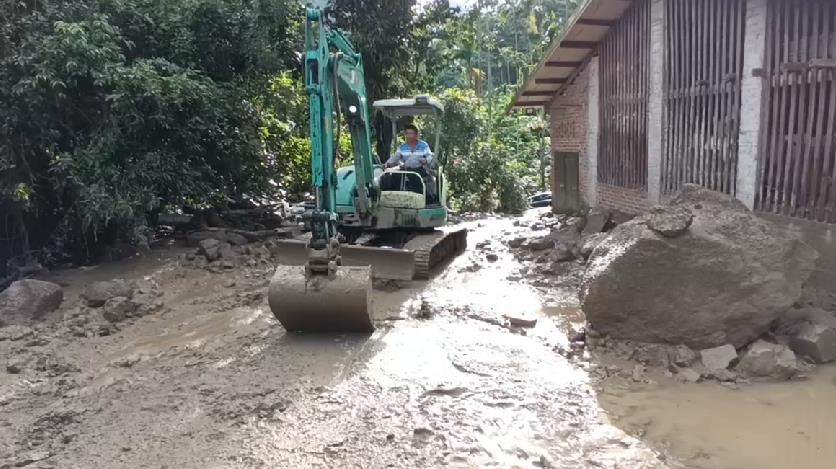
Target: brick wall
point(569, 118)
point(622, 199)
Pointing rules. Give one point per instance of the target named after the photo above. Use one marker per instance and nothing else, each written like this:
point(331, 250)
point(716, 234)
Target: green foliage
point(111, 110)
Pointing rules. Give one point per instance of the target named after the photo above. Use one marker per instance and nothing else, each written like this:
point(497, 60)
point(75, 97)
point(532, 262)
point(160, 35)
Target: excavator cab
point(405, 189)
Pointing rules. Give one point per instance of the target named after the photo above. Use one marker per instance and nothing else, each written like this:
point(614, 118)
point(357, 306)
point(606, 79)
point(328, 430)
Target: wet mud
point(462, 371)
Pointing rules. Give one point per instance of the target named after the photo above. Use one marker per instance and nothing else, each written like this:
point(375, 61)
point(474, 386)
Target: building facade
point(735, 95)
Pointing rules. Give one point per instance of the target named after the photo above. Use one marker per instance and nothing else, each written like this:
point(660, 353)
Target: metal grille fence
point(797, 167)
point(622, 147)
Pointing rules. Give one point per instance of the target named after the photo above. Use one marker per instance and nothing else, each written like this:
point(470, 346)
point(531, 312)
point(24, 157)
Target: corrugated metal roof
point(570, 51)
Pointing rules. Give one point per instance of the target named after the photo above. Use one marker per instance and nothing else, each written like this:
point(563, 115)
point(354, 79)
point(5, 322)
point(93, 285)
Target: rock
point(15, 332)
point(768, 360)
point(231, 237)
point(687, 375)
point(652, 354)
point(515, 242)
point(491, 257)
point(791, 323)
point(718, 358)
point(14, 367)
point(589, 244)
point(225, 251)
point(670, 221)
point(596, 221)
point(562, 253)
point(118, 308)
point(539, 244)
point(27, 301)
point(725, 280)
point(683, 356)
point(522, 321)
point(816, 341)
point(209, 248)
point(97, 293)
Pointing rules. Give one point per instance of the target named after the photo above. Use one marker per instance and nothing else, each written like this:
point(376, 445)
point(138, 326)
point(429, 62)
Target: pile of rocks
point(704, 272)
point(119, 299)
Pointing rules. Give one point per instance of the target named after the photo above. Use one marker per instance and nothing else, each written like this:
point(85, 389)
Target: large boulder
point(768, 360)
point(723, 279)
point(27, 301)
point(97, 293)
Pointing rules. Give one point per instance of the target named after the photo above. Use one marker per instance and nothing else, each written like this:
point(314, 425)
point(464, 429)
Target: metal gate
point(797, 167)
point(703, 66)
point(566, 178)
point(622, 146)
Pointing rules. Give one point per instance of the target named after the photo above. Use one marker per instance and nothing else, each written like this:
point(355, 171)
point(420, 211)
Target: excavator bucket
point(341, 303)
point(386, 263)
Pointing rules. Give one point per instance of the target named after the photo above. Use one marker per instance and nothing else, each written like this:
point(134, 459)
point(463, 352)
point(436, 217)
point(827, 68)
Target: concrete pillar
point(592, 120)
point(655, 101)
point(750, 108)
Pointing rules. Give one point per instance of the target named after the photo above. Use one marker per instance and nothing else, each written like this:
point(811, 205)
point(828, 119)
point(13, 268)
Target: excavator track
point(415, 259)
point(435, 248)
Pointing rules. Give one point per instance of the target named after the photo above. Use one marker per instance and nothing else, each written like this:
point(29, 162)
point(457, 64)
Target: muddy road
point(211, 380)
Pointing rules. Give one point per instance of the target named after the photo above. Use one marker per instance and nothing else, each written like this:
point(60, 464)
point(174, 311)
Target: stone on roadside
point(522, 321)
point(97, 293)
point(231, 237)
point(589, 244)
point(596, 221)
point(118, 308)
point(225, 251)
point(682, 355)
point(740, 272)
point(670, 221)
point(816, 341)
point(688, 375)
point(767, 360)
point(209, 248)
point(15, 332)
point(514, 243)
point(718, 358)
point(27, 301)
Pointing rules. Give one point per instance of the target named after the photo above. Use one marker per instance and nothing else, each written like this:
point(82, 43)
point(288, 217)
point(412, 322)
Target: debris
point(670, 222)
point(27, 301)
point(118, 308)
point(718, 358)
point(97, 293)
point(768, 360)
point(13, 367)
point(522, 321)
point(816, 341)
point(562, 253)
point(589, 244)
point(515, 243)
point(229, 236)
point(491, 257)
point(596, 221)
point(225, 251)
point(15, 332)
point(683, 356)
point(741, 272)
point(688, 375)
point(208, 248)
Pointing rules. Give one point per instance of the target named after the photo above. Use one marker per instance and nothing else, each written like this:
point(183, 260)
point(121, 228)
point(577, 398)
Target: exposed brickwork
point(568, 116)
point(623, 199)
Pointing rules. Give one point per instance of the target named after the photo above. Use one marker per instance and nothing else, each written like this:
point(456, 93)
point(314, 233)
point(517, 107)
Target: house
point(736, 95)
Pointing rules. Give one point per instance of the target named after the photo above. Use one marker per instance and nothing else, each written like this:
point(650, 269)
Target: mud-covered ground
point(211, 380)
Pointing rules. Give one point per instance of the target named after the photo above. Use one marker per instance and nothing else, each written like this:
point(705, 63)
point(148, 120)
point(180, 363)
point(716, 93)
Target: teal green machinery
point(369, 221)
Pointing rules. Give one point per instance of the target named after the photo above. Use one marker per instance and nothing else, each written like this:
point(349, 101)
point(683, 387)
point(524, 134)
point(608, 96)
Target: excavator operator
point(415, 155)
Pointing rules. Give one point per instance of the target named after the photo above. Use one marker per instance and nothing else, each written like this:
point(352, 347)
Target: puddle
point(762, 425)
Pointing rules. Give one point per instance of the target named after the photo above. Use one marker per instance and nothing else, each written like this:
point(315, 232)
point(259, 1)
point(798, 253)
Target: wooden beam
point(530, 103)
point(549, 81)
point(594, 22)
point(561, 63)
point(578, 44)
point(538, 93)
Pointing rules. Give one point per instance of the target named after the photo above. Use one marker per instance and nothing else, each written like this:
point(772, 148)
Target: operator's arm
point(395, 159)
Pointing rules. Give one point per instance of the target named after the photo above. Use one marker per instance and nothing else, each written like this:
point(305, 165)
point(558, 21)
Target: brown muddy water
point(213, 381)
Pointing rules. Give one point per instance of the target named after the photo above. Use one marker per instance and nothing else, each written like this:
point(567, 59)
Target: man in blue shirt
point(415, 155)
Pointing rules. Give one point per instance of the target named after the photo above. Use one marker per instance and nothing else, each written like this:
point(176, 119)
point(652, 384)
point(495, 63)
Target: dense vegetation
point(112, 111)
